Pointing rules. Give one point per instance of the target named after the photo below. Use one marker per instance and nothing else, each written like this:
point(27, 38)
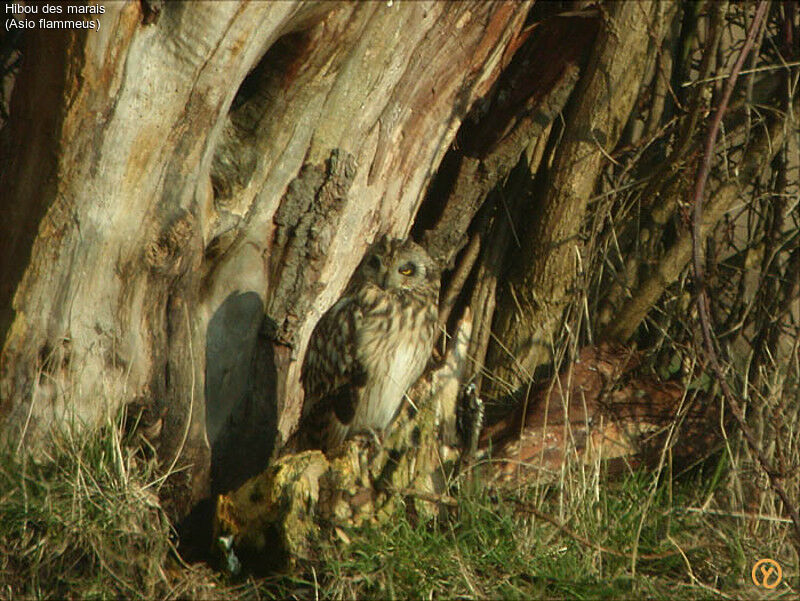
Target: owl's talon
point(469, 421)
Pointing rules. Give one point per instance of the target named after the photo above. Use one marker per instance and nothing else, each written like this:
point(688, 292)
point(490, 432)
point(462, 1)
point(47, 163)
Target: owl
point(370, 347)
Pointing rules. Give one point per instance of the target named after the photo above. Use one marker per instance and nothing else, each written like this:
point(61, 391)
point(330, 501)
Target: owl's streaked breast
point(394, 351)
point(370, 347)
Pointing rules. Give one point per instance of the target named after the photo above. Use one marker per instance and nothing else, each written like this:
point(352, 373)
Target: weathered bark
point(530, 95)
point(532, 301)
point(105, 272)
point(155, 206)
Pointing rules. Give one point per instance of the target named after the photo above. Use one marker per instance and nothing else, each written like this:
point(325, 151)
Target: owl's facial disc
point(395, 265)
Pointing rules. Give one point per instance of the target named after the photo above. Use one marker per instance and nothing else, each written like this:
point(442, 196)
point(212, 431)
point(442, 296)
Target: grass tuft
point(84, 521)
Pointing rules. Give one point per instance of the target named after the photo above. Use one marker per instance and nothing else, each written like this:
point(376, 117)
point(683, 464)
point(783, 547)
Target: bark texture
point(180, 173)
point(187, 190)
point(533, 299)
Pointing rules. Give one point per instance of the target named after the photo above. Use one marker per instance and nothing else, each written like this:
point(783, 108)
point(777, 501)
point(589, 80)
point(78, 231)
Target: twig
point(587, 543)
point(745, 72)
point(736, 514)
point(459, 278)
point(430, 497)
point(702, 297)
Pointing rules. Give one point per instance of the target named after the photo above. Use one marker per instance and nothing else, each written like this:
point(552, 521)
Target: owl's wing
point(332, 374)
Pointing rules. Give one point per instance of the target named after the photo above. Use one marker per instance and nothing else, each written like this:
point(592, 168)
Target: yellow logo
point(767, 573)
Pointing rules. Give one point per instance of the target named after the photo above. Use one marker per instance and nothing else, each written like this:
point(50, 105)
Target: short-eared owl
point(370, 347)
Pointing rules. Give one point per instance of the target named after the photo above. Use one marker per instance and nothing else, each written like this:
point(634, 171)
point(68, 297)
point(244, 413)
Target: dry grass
point(86, 523)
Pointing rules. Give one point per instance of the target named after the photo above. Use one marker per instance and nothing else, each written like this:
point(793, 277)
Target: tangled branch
point(702, 298)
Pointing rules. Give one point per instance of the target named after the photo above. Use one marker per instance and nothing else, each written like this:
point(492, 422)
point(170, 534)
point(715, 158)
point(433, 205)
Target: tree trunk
point(191, 167)
point(187, 189)
point(543, 277)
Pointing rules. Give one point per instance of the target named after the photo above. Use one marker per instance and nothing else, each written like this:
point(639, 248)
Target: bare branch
point(702, 298)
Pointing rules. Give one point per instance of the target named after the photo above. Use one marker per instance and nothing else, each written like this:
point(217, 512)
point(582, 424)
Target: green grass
point(85, 522)
point(493, 547)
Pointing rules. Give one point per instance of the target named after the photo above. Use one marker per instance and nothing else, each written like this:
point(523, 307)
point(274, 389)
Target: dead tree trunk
point(174, 176)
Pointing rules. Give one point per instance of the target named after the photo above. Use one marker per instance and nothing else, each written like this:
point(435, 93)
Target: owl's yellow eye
point(407, 269)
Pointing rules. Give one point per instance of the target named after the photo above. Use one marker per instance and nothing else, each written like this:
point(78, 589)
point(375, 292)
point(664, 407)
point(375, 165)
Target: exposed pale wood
point(152, 214)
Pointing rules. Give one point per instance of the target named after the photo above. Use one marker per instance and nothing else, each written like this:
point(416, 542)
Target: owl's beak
point(384, 280)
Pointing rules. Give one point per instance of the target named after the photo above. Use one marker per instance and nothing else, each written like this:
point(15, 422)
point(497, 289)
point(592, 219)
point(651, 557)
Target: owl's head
point(399, 265)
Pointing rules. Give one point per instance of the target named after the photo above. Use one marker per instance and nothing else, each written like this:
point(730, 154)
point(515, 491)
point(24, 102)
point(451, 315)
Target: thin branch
point(782, 66)
point(527, 508)
point(702, 298)
point(459, 278)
